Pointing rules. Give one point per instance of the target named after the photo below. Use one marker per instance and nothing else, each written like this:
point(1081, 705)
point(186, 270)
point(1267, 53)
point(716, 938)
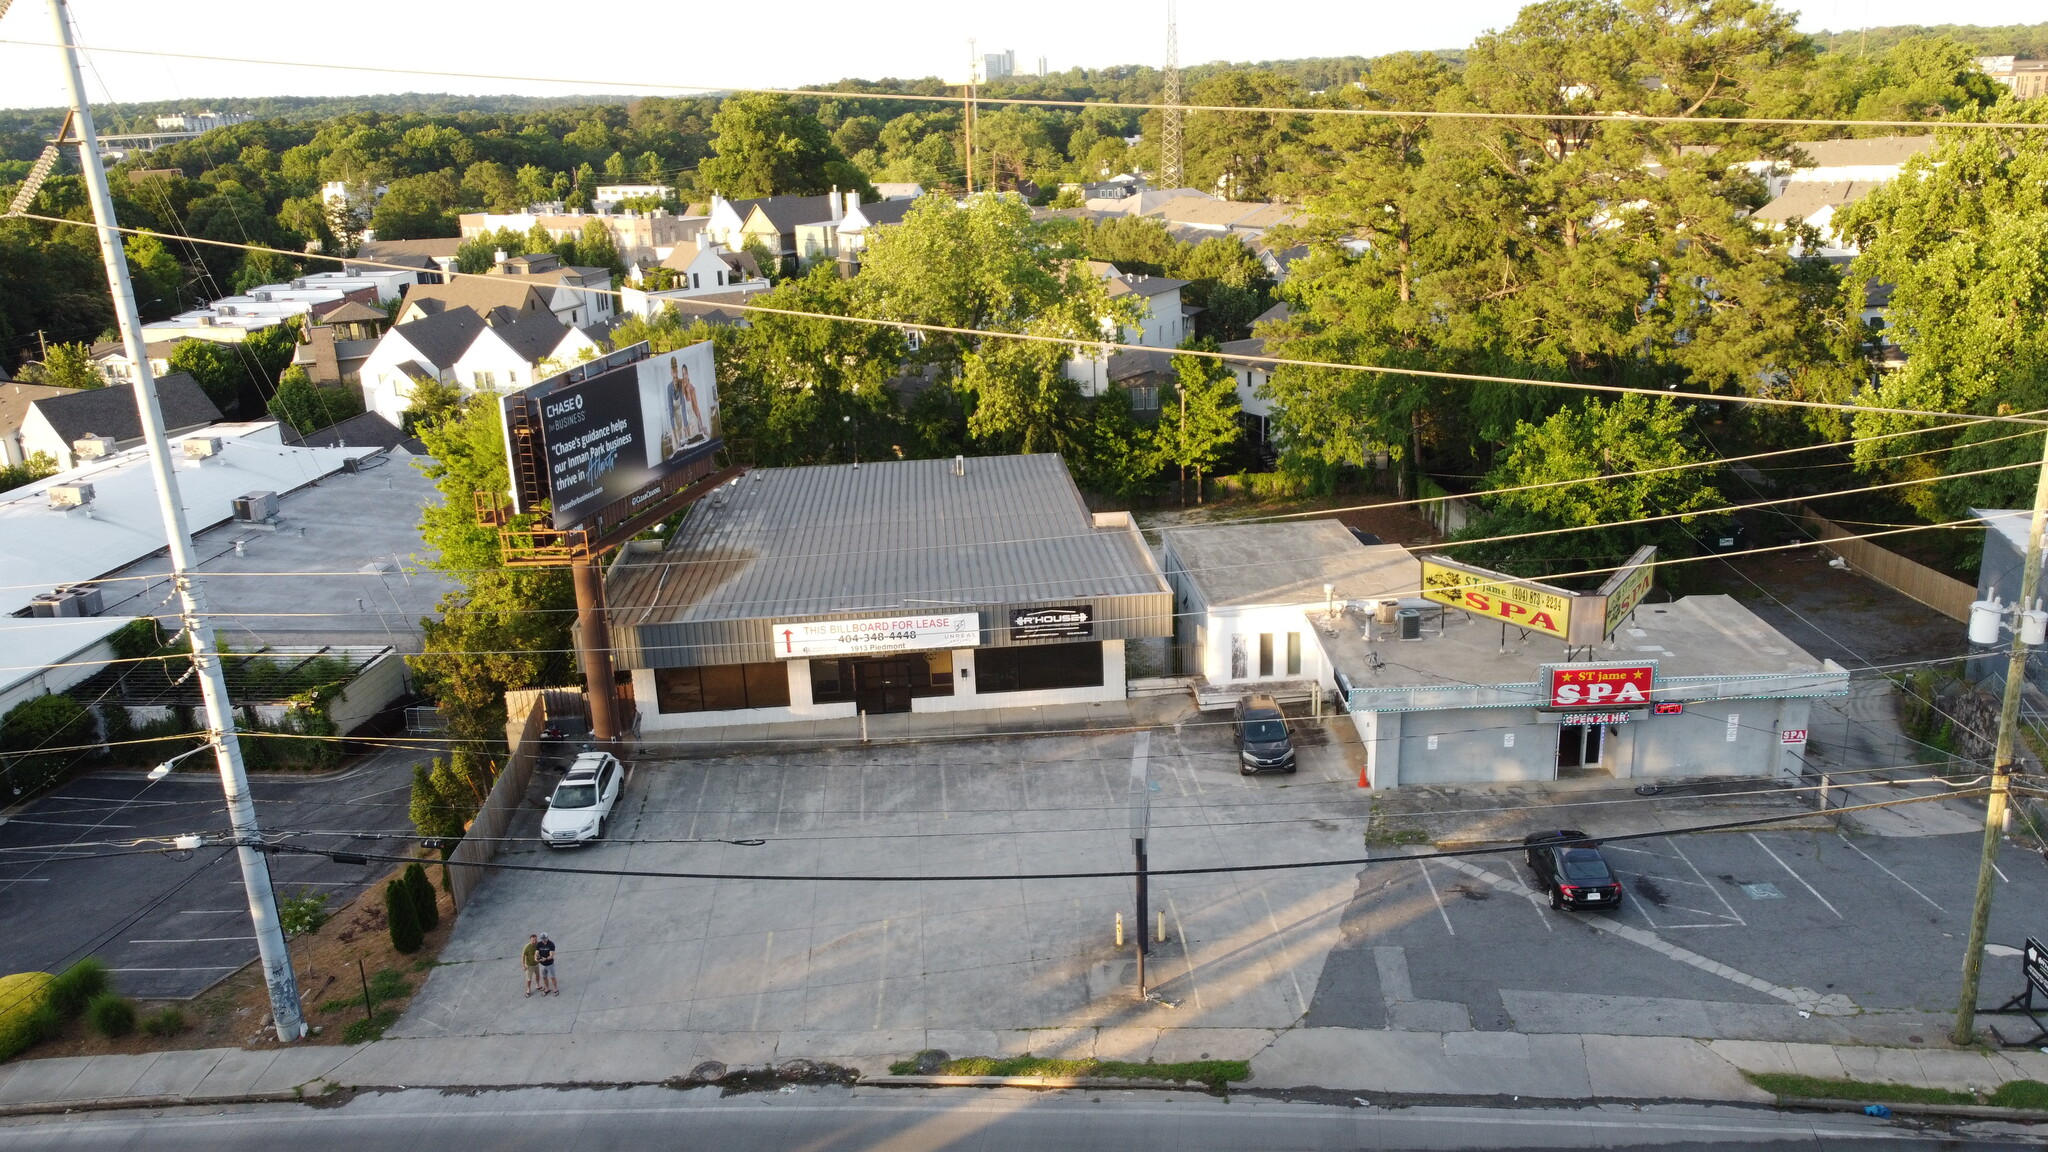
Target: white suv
point(583, 800)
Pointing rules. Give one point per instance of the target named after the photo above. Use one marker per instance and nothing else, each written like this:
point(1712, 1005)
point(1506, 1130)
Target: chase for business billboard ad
point(615, 434)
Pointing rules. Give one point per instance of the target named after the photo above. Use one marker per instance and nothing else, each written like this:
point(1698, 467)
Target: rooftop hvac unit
point(201, 447)
point(260, 297)
point(92, 447)
point(256, 507)
point(1410, 620)
point(70, 495)
point(54, 604)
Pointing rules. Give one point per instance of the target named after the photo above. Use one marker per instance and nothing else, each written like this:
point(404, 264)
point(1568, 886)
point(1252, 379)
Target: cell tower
point(1170, 123)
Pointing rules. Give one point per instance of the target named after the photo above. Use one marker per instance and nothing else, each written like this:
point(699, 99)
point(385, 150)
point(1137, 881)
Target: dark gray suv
point(1263, 744)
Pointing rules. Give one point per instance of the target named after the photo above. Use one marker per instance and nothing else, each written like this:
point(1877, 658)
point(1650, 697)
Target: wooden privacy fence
point(524, 712)
point(1945, 594)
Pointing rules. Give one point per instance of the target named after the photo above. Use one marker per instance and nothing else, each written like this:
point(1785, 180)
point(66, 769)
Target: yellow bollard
point(1119, 929)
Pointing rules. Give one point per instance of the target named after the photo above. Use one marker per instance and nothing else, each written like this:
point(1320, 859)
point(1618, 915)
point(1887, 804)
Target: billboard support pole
point(594, 652)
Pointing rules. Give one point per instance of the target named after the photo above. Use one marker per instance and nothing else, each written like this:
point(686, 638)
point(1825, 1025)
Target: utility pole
point(1170, 175)
point(967, 114)
point(220, 717)
point(1141, 827)
point(2002, 764)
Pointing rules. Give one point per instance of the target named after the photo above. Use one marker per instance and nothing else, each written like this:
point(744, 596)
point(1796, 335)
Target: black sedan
point(1569, 866)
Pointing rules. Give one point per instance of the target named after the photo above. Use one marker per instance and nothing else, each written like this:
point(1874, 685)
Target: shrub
point(111, 1015)
point(167, 1021)
point(78, 985)
point(425, 903)
point(401, 912)
point(24, 1010)
point(303, 913)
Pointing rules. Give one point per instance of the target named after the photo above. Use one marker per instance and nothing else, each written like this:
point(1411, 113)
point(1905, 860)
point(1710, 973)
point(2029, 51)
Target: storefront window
point(1038, 668)
point(721, 687)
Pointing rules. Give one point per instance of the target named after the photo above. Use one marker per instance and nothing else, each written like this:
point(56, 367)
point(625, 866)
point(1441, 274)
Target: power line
point(1048, 102)
point(1078, 343)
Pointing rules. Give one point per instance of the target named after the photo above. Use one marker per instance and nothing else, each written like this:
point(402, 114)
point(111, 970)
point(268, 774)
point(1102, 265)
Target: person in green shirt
point(530, 962)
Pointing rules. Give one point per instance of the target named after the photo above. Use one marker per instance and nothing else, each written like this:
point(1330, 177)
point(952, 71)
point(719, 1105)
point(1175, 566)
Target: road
point(833, 1119)
point(170, 927)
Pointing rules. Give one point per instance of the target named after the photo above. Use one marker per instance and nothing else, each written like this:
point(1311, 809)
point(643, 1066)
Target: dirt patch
point(1837, 615)
point(236, 1011)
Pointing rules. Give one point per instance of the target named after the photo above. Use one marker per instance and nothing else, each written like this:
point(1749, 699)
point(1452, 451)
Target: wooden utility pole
point(2002, 764)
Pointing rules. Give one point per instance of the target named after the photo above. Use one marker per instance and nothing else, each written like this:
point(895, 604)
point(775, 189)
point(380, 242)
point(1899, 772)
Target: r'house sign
point(1064, 623)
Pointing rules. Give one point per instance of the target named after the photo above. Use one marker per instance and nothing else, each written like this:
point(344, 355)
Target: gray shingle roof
point(444, 336)
point(901, 535)
point(111, 411)
point(533, 335)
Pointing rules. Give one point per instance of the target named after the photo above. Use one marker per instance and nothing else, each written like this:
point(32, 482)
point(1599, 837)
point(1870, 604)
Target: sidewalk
point(882, 728)
point(1481, 1064)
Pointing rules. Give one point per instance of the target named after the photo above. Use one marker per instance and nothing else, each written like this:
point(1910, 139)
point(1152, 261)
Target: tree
point(594, 249)
point(52, 720)
point(308, 407)
point(213, 366)
point(158, 277)
point(797, 390)
point(766, 145)
point(1587, 441)
point(490, 186)
point(1197, 419)
point(260, 268)
point(64, 366)
point(402, 917)
point(37, 466)
point(426, 905)
point(418, 208)
point(1959, 235)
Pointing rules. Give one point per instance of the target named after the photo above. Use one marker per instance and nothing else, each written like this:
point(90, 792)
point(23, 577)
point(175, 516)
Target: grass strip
point(1214, 1073)
point(1816, 1088)
point(2030, 1094)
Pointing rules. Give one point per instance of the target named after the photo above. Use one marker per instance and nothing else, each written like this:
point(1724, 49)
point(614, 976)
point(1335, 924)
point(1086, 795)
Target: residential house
point(578, 296)
point(1251, 377)
point(708, 266)
point(55, 424)
point(1163, 322)
point(846, 231)
point(896, 191)
point(2026, 78)
point(607, 196)
point(1206, 214)
point(110, 359)
point(332, 349)
point(230, 319)
point(432, 261)
point(480, 294)
point(491, 351)
point(14, 405)
point(635, 235)
point(1832, 175)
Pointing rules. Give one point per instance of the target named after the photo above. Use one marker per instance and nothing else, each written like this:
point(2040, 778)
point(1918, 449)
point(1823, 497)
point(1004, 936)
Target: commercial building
point(905, 586)
point(1442, 694)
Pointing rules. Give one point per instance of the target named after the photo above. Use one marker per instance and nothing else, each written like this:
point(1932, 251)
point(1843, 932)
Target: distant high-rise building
point(996, 65)
point(1041, 66)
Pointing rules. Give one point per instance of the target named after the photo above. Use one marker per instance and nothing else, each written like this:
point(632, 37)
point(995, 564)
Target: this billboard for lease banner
point(610, 434)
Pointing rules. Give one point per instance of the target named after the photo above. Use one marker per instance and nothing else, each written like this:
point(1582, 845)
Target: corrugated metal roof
point(902, 535)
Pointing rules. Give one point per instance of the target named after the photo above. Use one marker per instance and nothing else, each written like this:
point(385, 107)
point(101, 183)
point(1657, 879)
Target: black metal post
point(1138, 845)
point(369, 1005)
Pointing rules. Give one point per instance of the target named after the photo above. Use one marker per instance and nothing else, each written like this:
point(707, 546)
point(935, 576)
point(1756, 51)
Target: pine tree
point(401, 912)
point(425, 905)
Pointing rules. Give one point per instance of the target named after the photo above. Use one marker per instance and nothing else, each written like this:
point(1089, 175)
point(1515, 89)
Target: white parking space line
point(1893, 875)
point(201, 968)
point(1424, 869)
point(211, 911)
point(1797, 876)
point(65, 823)
point(194, 940)
point(1705, 883)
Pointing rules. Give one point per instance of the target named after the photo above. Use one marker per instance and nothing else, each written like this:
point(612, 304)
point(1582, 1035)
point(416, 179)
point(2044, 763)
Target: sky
point(781, 43)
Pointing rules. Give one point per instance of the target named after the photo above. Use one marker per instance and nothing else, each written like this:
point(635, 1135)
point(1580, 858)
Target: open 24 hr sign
point(1602, 686)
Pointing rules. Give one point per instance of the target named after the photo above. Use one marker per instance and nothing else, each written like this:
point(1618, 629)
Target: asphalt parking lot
point(1793, 935)
point(170, 926)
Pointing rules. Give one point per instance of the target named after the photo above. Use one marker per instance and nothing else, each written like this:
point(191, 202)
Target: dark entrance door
point(1578, 746)
point(882, 685)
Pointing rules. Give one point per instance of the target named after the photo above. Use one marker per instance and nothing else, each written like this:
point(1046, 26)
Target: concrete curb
point(1956, 1111)
point(118, 1103)
point(1032, 1082)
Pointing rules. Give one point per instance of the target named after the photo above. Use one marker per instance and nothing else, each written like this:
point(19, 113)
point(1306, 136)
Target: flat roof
point(42, 547)
point(1703, 637)
point(1288, 563)
point(358, 575)
point(900, 535)
point(29, 646)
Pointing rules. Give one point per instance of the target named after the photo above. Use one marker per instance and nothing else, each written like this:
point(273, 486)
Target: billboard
point(1627, 587)
point(799, 639)
point(1523, 603)
point(1570, 686)
point(609, 432)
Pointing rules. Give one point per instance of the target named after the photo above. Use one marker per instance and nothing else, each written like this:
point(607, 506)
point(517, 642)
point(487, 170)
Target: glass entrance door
point(882, 685)
point(1578, 745)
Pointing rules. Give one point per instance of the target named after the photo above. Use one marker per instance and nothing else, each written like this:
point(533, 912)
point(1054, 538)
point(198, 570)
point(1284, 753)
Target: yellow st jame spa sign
point(1522, 603)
